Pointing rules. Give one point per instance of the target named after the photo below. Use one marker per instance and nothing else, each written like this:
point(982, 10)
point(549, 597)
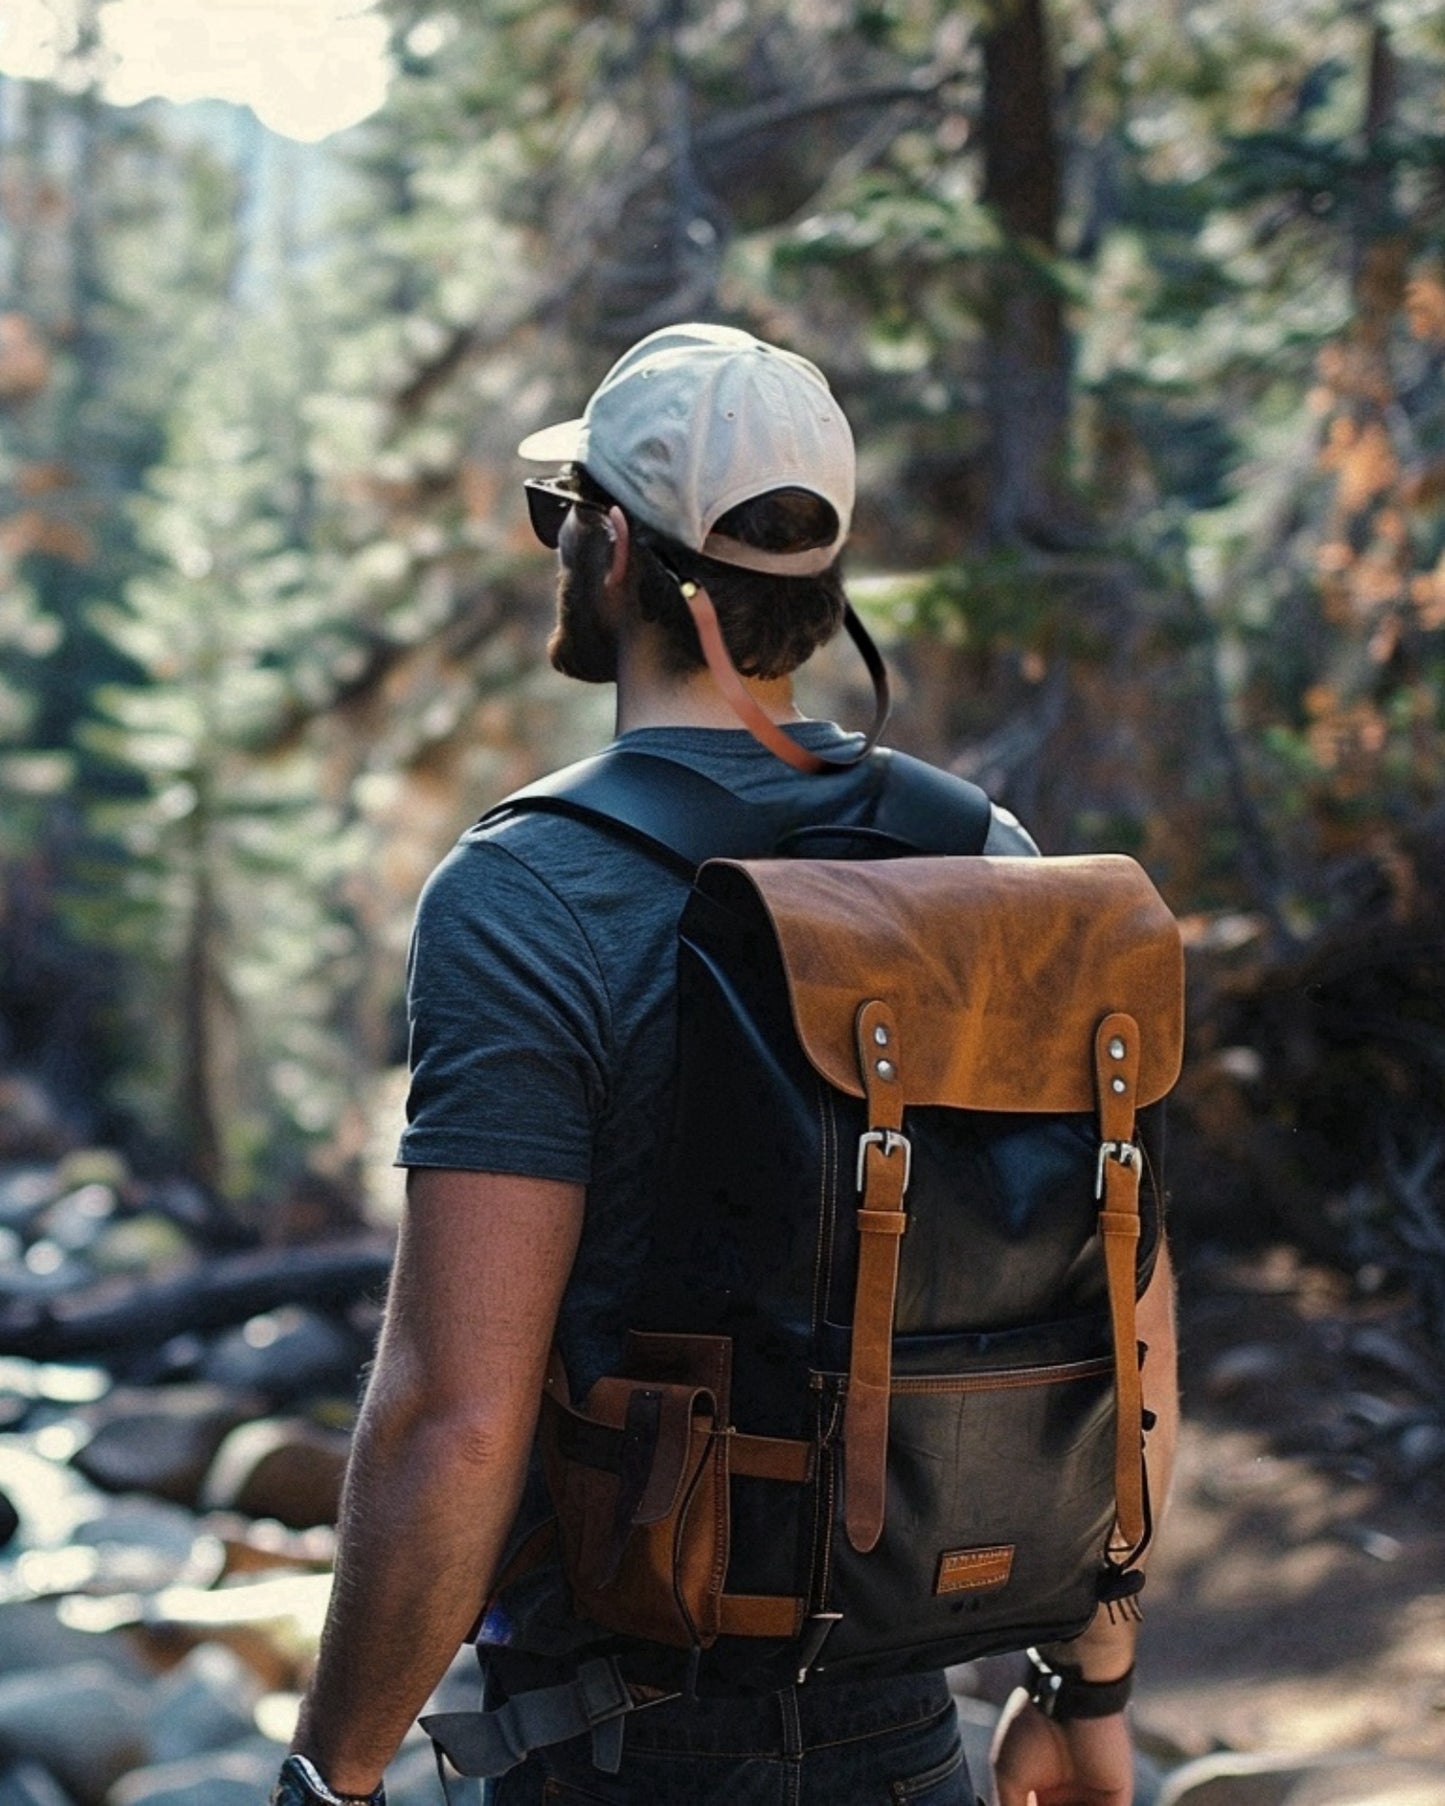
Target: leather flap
point(668, 1460)
point(998, 970)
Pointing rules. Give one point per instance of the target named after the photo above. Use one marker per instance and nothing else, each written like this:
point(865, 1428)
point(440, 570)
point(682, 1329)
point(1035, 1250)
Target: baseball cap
point(695, 419)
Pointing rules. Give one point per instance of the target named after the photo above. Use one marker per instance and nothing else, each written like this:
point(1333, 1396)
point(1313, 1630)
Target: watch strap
point(1060, 1691)
point(300, 1783)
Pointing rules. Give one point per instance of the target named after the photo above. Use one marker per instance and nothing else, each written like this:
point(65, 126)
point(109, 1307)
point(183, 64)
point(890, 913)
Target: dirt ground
point(1298, 1599)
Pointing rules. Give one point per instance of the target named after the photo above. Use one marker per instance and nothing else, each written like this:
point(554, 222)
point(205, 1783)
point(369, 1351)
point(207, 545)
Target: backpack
point(881, 1408)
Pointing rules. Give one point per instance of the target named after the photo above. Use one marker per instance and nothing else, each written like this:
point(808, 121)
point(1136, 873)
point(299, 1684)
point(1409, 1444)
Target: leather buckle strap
point(1116, 1081)
point(883, 1180)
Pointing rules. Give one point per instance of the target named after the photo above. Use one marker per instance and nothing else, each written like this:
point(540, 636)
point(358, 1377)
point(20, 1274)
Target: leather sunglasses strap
point(745, 705)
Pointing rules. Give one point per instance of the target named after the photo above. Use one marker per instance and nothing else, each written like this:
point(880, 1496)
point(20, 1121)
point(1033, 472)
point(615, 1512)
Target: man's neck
point(695, 701)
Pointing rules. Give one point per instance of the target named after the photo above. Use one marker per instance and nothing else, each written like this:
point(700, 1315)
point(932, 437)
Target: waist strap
point(490, 1743)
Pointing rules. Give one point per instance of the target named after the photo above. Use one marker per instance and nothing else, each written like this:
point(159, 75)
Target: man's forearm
point(424, 1516)
point(440, 1454)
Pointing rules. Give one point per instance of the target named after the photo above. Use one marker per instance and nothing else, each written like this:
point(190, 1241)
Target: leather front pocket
point(1000, 1497)
point(638, 1477)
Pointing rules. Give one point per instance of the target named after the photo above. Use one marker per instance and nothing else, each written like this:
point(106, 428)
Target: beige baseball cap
point(695, 419)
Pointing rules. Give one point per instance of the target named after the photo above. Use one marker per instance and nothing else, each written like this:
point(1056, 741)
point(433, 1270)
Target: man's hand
point(1038, 1762)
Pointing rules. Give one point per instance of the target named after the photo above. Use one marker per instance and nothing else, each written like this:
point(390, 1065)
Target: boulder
point(1334, 1778)
point(206, 1703)
point(32, 1640)
point(159, 1440)
point(234, 1777)
point(28, 1784)
point(287, 1354)
point(84, 1723)
point(283, 1468)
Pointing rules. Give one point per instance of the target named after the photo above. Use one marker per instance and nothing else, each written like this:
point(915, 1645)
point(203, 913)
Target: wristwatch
point(1060, 1691)
point(299, 1784)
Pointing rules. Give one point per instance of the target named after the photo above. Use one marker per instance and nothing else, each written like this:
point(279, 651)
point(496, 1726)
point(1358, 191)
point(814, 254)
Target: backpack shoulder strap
point(681, 818)
point(663, 807)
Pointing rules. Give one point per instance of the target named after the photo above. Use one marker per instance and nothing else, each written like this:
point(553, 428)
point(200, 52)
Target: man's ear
point(621, 537)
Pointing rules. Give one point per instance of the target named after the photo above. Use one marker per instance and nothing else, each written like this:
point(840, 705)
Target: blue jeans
point(848, 1743)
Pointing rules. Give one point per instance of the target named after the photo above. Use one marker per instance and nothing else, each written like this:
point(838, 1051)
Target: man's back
point(555, 1054)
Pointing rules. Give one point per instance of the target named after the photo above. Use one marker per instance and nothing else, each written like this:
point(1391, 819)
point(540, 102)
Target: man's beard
point(581, 645)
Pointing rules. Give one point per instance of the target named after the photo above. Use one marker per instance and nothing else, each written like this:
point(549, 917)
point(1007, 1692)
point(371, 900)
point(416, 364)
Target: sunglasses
point(548, 505)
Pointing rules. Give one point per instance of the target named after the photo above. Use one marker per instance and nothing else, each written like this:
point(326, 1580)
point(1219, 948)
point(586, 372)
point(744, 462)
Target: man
point(543, 1020)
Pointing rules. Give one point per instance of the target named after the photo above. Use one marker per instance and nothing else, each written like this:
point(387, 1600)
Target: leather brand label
point(973, 1570)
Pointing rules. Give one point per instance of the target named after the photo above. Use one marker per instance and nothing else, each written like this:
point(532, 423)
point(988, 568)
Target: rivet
point(880, 1035)
point(886, 1069)
point(1118, 1085)
point(1117, 1049)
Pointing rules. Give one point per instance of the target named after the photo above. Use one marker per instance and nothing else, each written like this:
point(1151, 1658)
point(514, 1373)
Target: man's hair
point(770, 624)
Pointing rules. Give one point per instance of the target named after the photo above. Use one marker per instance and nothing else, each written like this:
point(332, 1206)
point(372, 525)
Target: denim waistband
point(784, 1723)
point(791, 1721)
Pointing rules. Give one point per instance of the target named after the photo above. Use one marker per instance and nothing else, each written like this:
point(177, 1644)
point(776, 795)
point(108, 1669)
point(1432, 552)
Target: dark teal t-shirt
point(541, 997)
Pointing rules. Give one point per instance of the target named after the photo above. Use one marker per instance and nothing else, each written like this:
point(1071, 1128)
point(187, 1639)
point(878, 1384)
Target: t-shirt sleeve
point(509, 1023)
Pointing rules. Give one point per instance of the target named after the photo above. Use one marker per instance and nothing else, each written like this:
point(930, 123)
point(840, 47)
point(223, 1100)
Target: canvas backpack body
point(881, 1409)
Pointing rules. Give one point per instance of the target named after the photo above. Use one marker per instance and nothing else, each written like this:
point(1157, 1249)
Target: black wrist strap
point(300, 1784)
point(1060, 1691)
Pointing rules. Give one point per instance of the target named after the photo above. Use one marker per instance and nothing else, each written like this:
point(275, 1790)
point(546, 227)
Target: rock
point(1372, 1781)
point(33, 1640)
point(411, 1778)
point(1333, 1779)
point(142, 1544)
point(160, 1440)
point(283, 1468)
point(50, 1498)
point(204, 1704)
point(24, 1193)
point(75, 1220)
point(52, 1382)
point(236, 1777)
point(28, 1784)
point(84, 1723)
point(287, 1354)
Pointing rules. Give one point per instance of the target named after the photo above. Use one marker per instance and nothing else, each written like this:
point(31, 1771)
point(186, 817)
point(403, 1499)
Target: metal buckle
point(888, 1140)
point(1125, 1152)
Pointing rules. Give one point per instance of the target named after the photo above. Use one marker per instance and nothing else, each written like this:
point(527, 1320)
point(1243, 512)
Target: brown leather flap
point(999, 970)
point(671, 1462)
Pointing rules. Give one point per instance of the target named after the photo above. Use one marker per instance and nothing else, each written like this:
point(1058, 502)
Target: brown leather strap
point(1116, 1077)
point(746, 706)
point(881, 1222)
point(760, 1615)
point(770, 1458)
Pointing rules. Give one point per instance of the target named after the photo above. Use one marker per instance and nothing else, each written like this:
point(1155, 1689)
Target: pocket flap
point(653, 1428)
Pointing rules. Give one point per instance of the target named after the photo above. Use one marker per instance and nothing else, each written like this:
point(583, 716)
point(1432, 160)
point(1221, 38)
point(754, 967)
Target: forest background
point(1139, 314)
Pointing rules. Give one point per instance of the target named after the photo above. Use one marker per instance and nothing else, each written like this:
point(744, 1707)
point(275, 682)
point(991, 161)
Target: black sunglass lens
point(547, 513)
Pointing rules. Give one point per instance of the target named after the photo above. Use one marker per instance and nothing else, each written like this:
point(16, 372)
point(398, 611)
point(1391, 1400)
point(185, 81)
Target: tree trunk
point(1027, 370)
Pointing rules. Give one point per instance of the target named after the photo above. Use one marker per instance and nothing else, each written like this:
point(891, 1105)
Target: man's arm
point(440, 1453)
point(1090, 1761)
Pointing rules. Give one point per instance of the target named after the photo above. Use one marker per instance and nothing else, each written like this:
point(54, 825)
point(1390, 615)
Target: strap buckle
point(889, 1140)
point(1127, 1153)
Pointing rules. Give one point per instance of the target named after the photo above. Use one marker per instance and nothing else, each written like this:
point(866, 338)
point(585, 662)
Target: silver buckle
point(1125, 1152)
point(888, 1140)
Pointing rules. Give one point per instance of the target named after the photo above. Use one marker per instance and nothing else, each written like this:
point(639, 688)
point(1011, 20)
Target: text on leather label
point(971, 1570)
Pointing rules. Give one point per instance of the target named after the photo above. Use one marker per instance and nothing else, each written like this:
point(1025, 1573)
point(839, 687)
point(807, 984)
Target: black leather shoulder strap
point(890, 805)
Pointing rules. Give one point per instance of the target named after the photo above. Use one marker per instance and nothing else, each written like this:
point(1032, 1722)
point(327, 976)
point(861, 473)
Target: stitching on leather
point(823, 1221)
